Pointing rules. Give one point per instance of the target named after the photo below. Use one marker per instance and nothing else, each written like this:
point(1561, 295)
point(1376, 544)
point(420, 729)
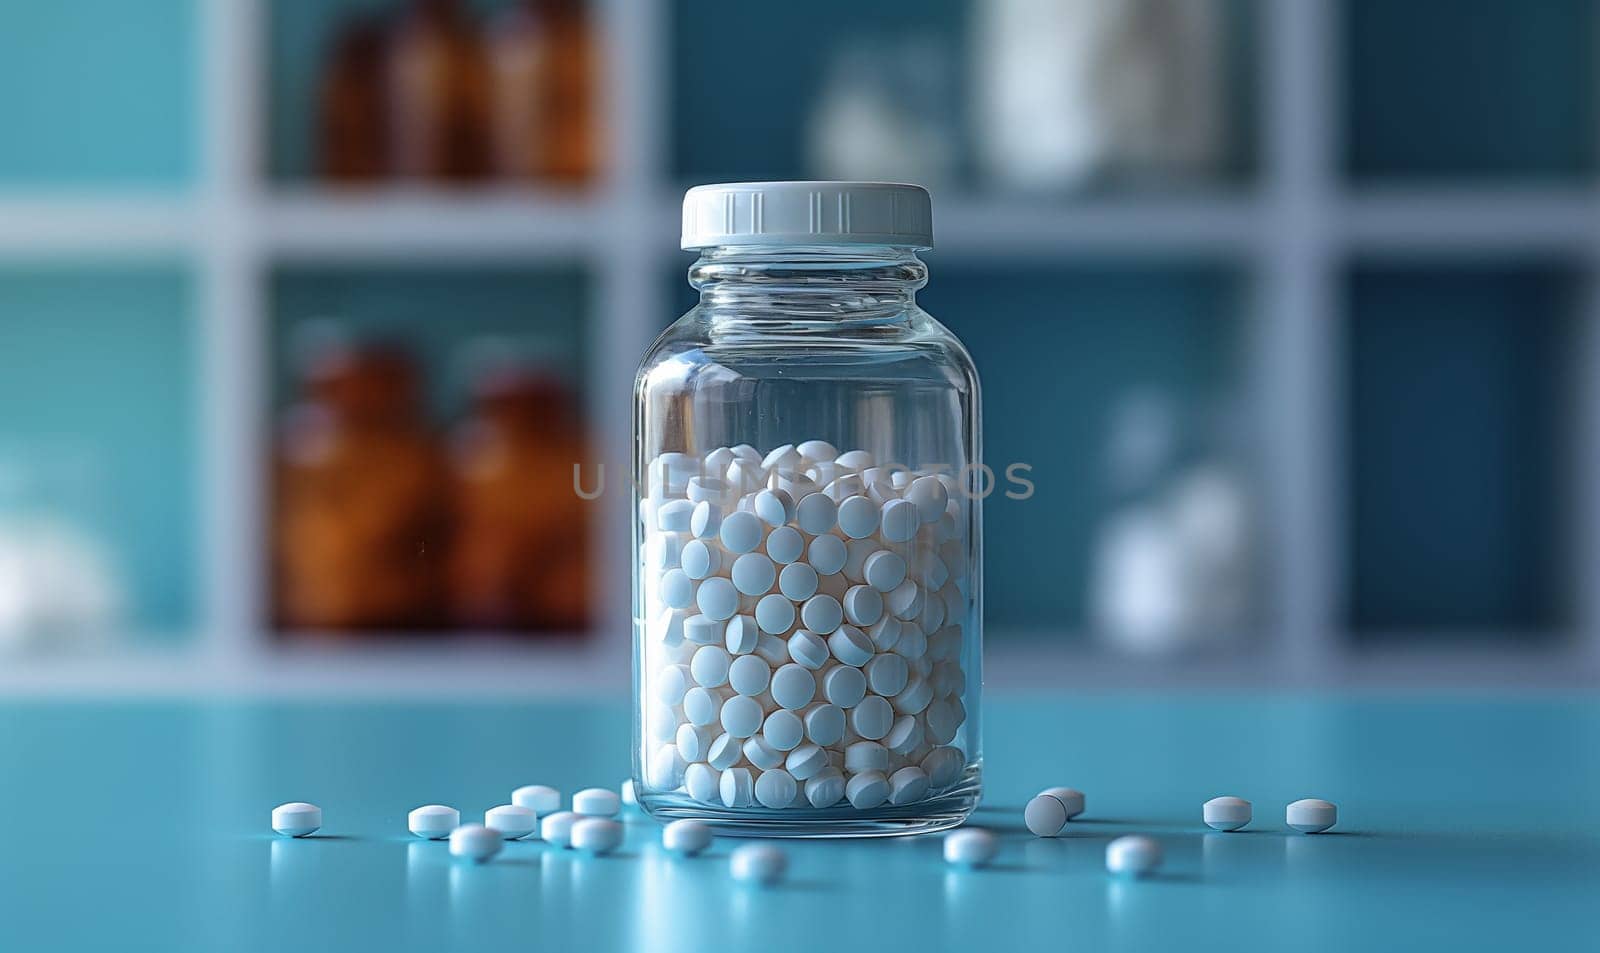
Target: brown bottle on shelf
point(520, 557)
point(542, 56)
point(360, 490)
point(438, 94)
point(351, 138)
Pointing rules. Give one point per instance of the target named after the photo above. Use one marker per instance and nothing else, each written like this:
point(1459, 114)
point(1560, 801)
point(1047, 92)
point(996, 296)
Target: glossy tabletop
point(1464, 825)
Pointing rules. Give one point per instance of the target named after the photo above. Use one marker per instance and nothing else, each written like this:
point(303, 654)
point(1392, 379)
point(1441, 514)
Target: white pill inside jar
point(1045, 816)
point(858, 517)
point(556, 829)
point(703, 630)
point(596, 802)
point(785, 545)
point(885, 633)
point(887, 674)
point(474, 842)
point(825, 788)
point(797, 582)
point(867, 791)
point(759, 864)
point(706, 489)
point(826, 554)
point(699, 560)
point(904, 600)
point(970, 847)
point(542, 798)
point(665, 770)
point(844, 686)
point(851, 646)
point(906, 735)
point(816, 514)
point(705, 521)
point(783, 730)
point(824, 724)
point(929, 496)
point(864, 756)
point(774, 507)
point(663, 550)
point(1311, 815)
point(753, 574)
point(806, 761)
point(775, 788)
point(296, 819)
point(433, 821)
point(741, 635)
point(914, 698)
point(900, 520)
point(742, 716)
point(512, 821)
point(717, 599)
point(908, 785)
point(808, 649)
point(872, 717)
point(774, 614)
point(677, 589)
point(793, 686)
point(701, 705)
point(822, 614)
point(725, 752)
point(883, 570)
point(740, 532)
point(693, 741)
point(943, 766)
point(686, 837)
point(673, 516)
point(738, 788)
point(672, 682)
point(749, 674)
point(816, 451)
point(1133, 856)
point(773, 650)
point(596, 835)
point(854, 460)
point(785, 456)
point(1226, 813)
point(760, 754)
point(863, 605)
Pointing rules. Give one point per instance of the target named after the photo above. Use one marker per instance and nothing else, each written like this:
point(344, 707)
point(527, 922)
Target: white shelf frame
point(1293, 231)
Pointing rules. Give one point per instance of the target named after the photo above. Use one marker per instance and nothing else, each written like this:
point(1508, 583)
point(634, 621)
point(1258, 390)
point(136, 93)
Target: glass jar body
point(807, 573)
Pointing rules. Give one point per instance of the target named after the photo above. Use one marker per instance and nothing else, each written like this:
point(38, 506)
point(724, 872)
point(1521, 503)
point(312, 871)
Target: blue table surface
point(1463, 825)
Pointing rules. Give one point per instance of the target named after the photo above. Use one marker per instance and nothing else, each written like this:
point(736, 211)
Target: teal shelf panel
point(100, 93)
point(1459, 427)
point(98, 419)
point(1469, 89)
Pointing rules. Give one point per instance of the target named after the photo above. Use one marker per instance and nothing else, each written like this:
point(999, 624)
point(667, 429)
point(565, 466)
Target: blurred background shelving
point(1367, 313)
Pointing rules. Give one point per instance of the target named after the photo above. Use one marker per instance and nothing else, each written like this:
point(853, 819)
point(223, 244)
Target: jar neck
point(850, 283)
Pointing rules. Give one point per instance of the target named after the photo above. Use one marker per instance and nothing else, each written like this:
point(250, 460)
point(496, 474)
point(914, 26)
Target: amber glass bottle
point(359, 534)
point(438, 94)
point(543, 62)
point(520, 560)
point(351, 139)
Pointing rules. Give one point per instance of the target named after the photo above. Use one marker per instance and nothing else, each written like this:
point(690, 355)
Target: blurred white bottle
point(883, 116)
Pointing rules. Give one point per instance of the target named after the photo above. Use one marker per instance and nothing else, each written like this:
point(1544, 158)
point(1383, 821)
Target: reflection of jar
point(359, 531)
point(807, 598)
point(520, 556)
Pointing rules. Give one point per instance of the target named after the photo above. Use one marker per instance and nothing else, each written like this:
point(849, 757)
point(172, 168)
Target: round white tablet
point(784, 457)
point(717, 599)
point(699, 560)
point(433, 821)
point(741, 532)
point(1132, 856)
point(742, 716)
point(793, 686)
point(774, 507)
point(513, 822)
point(703, 489)
point(883, 570)
point(710, 666)
point(753, 574)
point(854, 460)
point(776, 788)
point(1045, 816)
point(858, 517)
point(749, 674)
point(556, 829)
point(705, 521)
point(943, 766)
point(904, 600)
point(724, 752)
point(738, 788)
point(1226, 813)
point(816, 450)
point(703, 630)
point(797, 581)
point(806, 761)
point(783, 730)
point(542, 798)
point(474, 842)
point(677, 589)
point(887, 674)
point(687, 837)
point(844, 686)
point(908, 785)
point(872, 717)
point(701, 705)
point(702, 782)
point(760, 754)
point(885, 633)
point(774, 614)
point(864, 756)
point(1311, 815)
point(867, 791)
point(673, 516)
point(863, 605)
point(970, 847)
point(825, 788)
point(826, 554)
point(693, 741)
point(596, 835)
point(906, 736)
point(914, 698)
point(822, 614)
point(816, 514)
point(296, 819)
point(1071, 798)
point(824, 724)
point(666, 767)
point(929, 496)
point(785, 544)
point(760, 864)
point(808, 649)
point(851, 646)
point(900, 520)
point(741, 635)
point(596, 802)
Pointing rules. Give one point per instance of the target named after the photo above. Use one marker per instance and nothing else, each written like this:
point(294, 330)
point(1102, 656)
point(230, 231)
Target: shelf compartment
point(1459, 428)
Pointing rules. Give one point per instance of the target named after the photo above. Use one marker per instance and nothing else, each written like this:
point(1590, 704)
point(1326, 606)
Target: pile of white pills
point(804, 625)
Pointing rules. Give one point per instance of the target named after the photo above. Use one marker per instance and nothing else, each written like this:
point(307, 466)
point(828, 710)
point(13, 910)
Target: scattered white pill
point(867, 791)
point(793, 686)
point(1045, 816)
point(858, 516)
point(474, 842)
point(822, 614)
point(774, 614)
point(556, 828)
point(774, 507)
point(687, 837)
point(717, 599)
point(760, 864)
point(785, 545)
point(805, 762)
point(512, 822)
point(782, 457)
point(596, 835)
point(783, 730)
point(1311, 815)
point(844, 686)
point(433, 821)
point(872, 717)
point(753, 574)
point(797, 581)
point(970, 847)
point(710, 666)
point(1070, 798)
point(738, 788)
point(854, 460)
point(816, 514)
point(1132, 856)
point(776, 788)
point(749, 674)
point(824, 724)
point(851, 646)
point(887, 674)
point(1226, 813)
point(741, 532)
point(900, 520)
point(296, 819)
point(542, 799)
point(596, 802)
point(826, 554)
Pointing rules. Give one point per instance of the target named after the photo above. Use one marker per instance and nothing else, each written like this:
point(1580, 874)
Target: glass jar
point(807, 574)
